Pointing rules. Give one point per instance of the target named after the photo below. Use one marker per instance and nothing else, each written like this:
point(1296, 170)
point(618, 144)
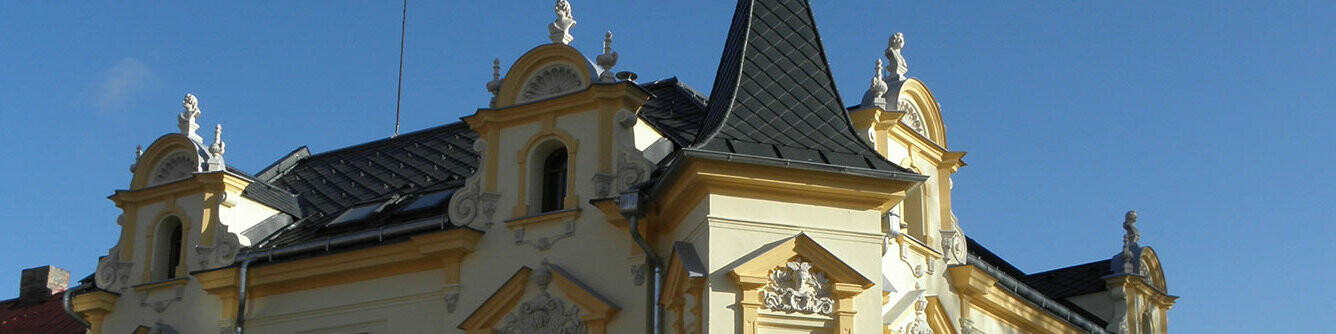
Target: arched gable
point(914, 91)
point(552, 69)
point(1150, 267)
point(169, 147)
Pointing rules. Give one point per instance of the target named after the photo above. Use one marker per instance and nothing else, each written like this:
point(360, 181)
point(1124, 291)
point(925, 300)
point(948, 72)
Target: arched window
point(553, 181)
point(167, 251)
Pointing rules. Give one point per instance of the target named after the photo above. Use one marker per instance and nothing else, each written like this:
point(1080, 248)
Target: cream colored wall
point(740, 226)
point(988, 324)
point(245, 214)
point(410, 303)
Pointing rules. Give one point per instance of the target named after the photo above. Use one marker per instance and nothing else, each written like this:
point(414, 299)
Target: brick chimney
point(39, 283)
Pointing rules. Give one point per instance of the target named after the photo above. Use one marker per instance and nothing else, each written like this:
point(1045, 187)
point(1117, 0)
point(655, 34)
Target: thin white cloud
point(121, 82)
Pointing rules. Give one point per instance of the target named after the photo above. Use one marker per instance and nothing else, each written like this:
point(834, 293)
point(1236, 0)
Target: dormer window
point(553, 181)
point(167, 254)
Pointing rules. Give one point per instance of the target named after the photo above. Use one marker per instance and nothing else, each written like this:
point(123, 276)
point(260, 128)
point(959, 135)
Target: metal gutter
point(269, 255)
point(1009, 283)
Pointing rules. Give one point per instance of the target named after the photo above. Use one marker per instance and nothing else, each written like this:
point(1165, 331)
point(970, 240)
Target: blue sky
point(1212, 121)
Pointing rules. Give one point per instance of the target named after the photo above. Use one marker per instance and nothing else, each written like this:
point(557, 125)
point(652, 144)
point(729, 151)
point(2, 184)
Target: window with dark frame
point(554, 181)
point(173, 252)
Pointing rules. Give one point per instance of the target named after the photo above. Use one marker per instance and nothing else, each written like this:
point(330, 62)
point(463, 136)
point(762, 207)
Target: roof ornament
point(186, 121)
point(139, 153)
point(560, 30)
point(607, 60)
point(216, 150)
point(494, 86)
point(920, 323)
point(893, 47)
point(1130, 240)
point(876, 93)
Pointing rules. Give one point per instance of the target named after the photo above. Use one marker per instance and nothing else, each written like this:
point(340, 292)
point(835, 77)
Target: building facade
point(578, 200)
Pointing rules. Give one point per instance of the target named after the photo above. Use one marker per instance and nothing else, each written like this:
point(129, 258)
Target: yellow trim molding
point(94, 307)
point(487, 315)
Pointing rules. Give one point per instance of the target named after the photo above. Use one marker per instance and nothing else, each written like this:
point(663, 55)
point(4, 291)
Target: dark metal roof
point(676, 110)
point(1045, 281)
point(774, 96)
point(1081, 279)
point(330, 182)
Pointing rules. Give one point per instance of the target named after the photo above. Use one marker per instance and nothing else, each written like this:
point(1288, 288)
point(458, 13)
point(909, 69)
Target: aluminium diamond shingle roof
point(774, 97)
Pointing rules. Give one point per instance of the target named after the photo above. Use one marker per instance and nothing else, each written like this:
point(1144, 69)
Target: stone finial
point(607, 60)
point(186, 121)
point(216, 150)
point(893, 47)
point(494, 86)
point(1130, 240)
point(875, 96)
point(920, 323)
point(560, 30)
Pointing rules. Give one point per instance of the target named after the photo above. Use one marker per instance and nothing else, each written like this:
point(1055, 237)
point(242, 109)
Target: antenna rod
point(399, 92)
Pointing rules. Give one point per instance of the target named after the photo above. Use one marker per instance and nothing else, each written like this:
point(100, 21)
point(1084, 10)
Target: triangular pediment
point(803, 247)
point(581, 308)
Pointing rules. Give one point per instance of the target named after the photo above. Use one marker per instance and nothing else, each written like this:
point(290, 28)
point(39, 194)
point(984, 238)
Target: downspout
point(70, 311)
point(630, 207)
point(241, 295)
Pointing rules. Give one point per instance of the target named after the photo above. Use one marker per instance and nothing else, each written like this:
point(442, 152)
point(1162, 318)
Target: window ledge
point(921, 247)
point(542, 218)
point(161, 285)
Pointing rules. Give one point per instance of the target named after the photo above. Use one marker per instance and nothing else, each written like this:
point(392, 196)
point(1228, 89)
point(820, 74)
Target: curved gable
point(1150, 267)
point(546, 71)
point(926, 114)
point(166, 160)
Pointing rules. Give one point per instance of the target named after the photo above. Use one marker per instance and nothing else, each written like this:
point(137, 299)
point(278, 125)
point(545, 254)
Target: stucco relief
point(472, 205)
point(545, 242)
point(162, 304)
point(795, 287)
point(920, 323)
point(913, 117)
point(631, 166)
point(953, 244)
point(544, 314)
point(223, 251)
point(177, 166)
point(551, 81)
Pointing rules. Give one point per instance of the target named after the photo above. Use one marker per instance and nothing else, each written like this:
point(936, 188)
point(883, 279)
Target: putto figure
point(560, 30)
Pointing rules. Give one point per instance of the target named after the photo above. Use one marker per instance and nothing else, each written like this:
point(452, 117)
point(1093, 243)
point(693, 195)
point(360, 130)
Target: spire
point(216, 150)
point(607, 60)
point(893, 47)
point(774, 96)
point(494, 86)
point(560, 30)
point(186, 121)
point(875, 95)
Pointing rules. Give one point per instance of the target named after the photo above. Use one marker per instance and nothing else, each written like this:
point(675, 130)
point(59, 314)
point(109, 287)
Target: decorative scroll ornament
point(494, 86)
point(920, 323)
point(544, 314)
point(551, 81)
point(560, 30)
point(222, 253)
point(471, 205)
point(216, 150)
point(913, 117)
point(632, 167)
point(607, 60)
point(186, 121)
point(112, 274)
point(875, 96)
point(893, 47)
point(796, 288)
point(1130, 240)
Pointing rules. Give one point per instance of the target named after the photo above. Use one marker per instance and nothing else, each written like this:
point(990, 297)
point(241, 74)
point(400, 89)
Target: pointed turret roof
point(774, 96)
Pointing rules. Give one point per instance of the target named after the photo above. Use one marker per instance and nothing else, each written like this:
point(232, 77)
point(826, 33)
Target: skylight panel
point(356, 214)
point(428, 200)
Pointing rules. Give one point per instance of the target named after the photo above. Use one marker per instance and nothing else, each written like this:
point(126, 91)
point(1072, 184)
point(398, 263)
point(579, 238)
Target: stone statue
point(186, 121)
point(560, 30)
point(893, 47)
